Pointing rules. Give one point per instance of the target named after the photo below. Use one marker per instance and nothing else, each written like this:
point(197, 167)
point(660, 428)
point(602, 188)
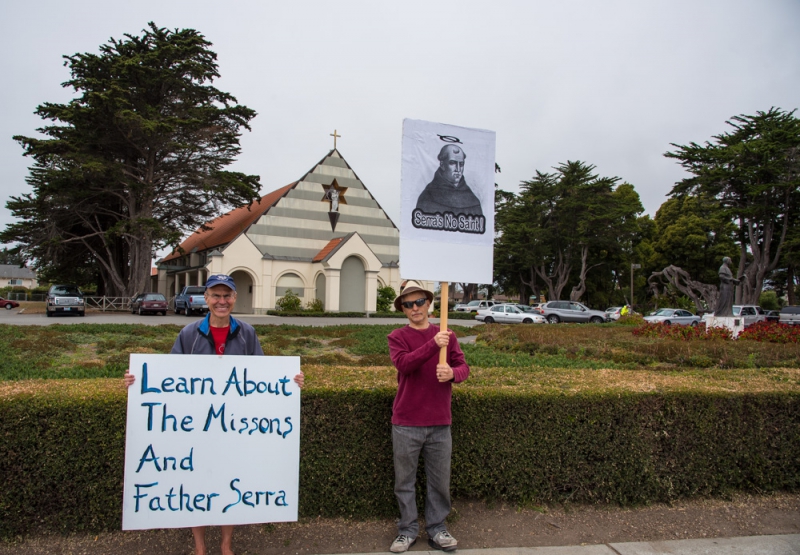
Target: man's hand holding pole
point(443, 307)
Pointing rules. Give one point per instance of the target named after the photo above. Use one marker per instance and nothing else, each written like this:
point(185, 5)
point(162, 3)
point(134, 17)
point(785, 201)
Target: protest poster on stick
point(447, 203)
point(211, 440)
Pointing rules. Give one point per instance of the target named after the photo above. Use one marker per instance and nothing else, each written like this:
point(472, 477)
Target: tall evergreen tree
point(753, 173)
point(694, 234)
point(564, 224)
point(132, 163)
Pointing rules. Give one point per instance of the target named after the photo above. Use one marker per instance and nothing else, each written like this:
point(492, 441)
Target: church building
point(323, 237)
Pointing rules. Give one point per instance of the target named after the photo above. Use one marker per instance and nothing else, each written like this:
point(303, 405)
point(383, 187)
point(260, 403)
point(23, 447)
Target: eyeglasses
point(226, 296)
point(418, 302)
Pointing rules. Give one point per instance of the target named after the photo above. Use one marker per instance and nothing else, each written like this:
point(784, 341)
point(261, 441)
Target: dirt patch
point(475, 524)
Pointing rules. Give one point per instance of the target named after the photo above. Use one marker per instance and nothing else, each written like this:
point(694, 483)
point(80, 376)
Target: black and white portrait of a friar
point(448, 191)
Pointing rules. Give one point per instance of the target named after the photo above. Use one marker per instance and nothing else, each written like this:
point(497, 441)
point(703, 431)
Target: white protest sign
point(447, 203)
point(211, 440)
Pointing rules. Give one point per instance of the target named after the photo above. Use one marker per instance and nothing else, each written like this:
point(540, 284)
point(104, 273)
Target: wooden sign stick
point(444, 306)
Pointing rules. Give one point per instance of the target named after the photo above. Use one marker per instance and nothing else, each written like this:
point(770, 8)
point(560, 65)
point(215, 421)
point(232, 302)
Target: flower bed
point(769, 332)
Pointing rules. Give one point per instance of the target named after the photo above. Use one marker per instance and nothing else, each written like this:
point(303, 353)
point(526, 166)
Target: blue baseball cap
point(221, 279)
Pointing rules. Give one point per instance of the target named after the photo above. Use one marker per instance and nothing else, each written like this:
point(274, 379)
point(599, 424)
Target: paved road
point(14, 317)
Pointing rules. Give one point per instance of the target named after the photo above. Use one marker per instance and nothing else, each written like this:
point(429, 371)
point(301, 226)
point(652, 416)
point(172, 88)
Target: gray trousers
point(436, 445)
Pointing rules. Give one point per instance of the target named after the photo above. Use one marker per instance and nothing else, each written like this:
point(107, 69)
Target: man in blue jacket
point(221, 334)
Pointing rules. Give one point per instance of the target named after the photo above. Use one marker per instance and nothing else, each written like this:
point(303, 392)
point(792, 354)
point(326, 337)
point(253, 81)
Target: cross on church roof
point(335, 136)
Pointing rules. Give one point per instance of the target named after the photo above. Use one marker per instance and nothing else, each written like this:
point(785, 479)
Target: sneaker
point(402, 543)
point(444, 541)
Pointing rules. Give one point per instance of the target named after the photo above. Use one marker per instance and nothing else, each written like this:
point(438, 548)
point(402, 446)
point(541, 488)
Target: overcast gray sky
point(611, 83)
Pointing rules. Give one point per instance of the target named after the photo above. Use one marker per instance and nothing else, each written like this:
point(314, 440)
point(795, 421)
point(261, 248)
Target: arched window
point(290, 281)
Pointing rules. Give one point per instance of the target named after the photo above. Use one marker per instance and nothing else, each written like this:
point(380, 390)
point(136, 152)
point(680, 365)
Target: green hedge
point(309, 314)
point(461, 315)
point(62, 446)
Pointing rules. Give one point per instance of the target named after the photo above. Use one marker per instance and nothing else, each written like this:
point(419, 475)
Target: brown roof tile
point(332, 244)
point(224, 229)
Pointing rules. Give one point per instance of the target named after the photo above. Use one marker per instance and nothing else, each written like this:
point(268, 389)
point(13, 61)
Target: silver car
point(669, 316)
point(570, 311)
point(508, 314)
point(614, 312)
point(790, 315)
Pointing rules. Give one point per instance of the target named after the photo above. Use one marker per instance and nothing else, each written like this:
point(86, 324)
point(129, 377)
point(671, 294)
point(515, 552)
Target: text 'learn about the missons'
point(211, 440)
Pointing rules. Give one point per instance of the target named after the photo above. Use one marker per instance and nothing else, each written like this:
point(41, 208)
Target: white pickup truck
point(474, 306)
point(750, 313)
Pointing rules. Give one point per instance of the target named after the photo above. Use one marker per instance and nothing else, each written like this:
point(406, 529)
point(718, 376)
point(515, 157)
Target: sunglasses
point(418, 302)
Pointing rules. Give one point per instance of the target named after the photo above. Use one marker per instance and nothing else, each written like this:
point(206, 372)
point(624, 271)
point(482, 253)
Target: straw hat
point(411, 286)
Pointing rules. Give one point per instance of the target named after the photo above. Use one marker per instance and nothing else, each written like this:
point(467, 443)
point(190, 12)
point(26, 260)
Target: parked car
point(474, 306)
point(508, 314)
point(669, 316)
point(149, 303)
point(526, 308)
point(773, 315)
point(8, 304)
point(614, 312)
point(65, 299)
point(790, 315)
point(191, 299)
point(748, 312)
point(570, 311)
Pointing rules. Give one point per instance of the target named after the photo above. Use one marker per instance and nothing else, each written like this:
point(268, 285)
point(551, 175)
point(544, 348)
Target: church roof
point(328, 249)
point(294, 222)
point(224, 229)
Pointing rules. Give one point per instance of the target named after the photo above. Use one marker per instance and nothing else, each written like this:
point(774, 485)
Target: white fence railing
point(105, 304)
point(109, 304)
point(116, 304)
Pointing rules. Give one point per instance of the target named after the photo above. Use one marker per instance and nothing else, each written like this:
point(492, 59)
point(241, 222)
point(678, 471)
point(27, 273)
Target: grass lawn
point(565, 358)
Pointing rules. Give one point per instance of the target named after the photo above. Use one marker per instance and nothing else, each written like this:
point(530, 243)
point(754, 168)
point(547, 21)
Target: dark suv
point(65, 299)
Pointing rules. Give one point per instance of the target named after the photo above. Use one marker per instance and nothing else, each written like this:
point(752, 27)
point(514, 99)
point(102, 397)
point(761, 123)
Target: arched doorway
point(244, 292)
point(319, 293)
point(352, 285)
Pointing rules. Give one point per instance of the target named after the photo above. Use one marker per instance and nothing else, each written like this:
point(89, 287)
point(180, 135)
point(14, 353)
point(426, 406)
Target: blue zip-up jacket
point(196, 339)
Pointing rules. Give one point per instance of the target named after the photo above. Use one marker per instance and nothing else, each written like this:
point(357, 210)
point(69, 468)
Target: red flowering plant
point(771, 332)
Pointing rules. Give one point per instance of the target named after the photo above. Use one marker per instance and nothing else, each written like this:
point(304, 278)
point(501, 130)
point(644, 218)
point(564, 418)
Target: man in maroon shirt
point(421, 417)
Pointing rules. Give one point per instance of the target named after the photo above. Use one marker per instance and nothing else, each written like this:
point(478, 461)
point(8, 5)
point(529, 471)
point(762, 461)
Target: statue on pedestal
point(727, 283)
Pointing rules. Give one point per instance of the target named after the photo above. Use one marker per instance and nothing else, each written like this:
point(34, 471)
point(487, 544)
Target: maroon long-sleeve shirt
point(422, 400)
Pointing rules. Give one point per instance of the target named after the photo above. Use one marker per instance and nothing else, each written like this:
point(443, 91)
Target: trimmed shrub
point(461, 315)
point(61, 452)
point(62, 446)
point(315, 305)
point(307, 314)
point(290, 302)
point(386, 296)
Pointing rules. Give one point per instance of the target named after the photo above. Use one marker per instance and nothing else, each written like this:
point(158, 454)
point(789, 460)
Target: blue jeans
point(436, 445)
